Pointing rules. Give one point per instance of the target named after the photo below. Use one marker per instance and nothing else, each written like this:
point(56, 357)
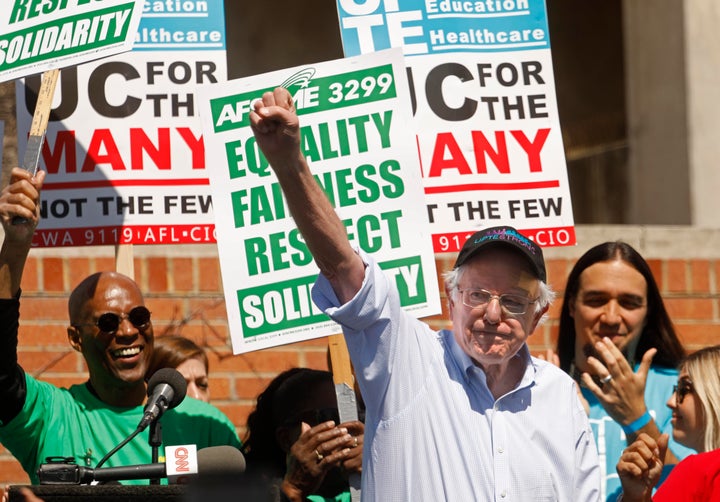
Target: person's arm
point(277, 131)
point(19, 198)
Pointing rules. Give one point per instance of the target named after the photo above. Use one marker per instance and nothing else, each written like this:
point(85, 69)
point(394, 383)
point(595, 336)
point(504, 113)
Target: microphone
point(211, 461)
point(220, 460)
point(166, 389)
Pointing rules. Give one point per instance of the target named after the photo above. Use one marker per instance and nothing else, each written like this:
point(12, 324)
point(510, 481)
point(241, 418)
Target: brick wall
point(184, 287)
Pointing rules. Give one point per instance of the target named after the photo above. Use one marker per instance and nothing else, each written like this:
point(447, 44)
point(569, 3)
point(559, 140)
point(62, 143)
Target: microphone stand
point(155, 440)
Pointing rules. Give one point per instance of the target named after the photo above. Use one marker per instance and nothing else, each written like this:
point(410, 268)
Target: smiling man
point(617, 339)
point(456, 415)
point(112, 328)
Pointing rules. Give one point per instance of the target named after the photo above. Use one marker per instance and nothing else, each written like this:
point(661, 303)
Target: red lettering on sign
point(64, 144)
point(140, 143)
point(532, 148)
point(447, 154)
point(446, 142)
point(145, 152)
point(483, 148)
point(196, 145)
point(103, 140)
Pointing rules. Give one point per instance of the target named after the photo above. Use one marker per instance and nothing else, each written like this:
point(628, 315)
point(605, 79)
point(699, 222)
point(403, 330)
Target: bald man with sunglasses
point(112, 328)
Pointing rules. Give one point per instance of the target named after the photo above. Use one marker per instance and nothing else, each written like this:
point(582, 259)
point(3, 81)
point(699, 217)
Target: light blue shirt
point(611, 439)
point(433, 430)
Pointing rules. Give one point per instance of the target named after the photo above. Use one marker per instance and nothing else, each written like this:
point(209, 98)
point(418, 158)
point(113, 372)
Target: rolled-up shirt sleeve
point(390, 349)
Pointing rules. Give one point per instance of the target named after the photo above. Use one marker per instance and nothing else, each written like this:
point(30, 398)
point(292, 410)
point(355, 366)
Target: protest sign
point(357, 135)
point(124, 154)
point(40, 35)
point(483, 97)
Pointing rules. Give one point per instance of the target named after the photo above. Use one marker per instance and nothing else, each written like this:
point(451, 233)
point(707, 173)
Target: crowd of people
point(617, 410)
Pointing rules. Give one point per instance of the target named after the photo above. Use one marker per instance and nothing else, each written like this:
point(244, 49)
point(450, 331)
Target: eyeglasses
point(512, 304)
point(109, 322)
point(314, 417)
point(682, 389)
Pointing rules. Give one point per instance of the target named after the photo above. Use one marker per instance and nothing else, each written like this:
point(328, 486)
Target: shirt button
point(503, 494)
point(500, 449)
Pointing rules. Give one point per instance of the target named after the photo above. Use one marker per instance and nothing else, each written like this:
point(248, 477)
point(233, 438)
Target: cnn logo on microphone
point(180, 462)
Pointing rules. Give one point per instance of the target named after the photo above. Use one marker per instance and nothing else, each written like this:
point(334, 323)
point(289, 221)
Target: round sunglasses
point(109, 322)
point(682, 389)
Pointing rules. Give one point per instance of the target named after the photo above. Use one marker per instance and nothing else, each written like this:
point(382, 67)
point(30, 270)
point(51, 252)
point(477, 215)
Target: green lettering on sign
point(62, 37)
point(288, 304)
point(314, 95)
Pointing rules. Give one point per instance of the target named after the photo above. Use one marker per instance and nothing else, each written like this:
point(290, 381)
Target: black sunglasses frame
point(109, 322)
point(681, 390)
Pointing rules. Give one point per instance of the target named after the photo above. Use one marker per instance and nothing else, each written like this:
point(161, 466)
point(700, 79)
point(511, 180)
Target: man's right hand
point(276, 127)
point(21, 198)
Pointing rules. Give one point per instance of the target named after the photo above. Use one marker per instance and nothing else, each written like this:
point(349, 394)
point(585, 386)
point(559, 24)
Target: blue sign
point(442, 26)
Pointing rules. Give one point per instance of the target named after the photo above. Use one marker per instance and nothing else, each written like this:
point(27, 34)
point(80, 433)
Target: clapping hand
point(620, 390)
point(640, 467)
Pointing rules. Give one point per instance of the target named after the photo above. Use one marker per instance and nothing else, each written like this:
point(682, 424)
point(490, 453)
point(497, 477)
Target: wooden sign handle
point(340, 361)
point(44, 102)
point(38, 127)
point(345, 392)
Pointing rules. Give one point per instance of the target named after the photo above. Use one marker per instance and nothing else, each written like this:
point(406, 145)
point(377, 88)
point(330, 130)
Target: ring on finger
point(319, 455)
point(606, 379)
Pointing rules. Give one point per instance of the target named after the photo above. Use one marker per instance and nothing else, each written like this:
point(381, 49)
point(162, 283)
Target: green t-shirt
point(74, 423)
point(340, 497)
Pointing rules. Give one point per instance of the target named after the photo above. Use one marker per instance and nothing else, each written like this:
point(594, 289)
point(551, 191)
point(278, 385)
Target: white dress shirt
point(433, 430)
